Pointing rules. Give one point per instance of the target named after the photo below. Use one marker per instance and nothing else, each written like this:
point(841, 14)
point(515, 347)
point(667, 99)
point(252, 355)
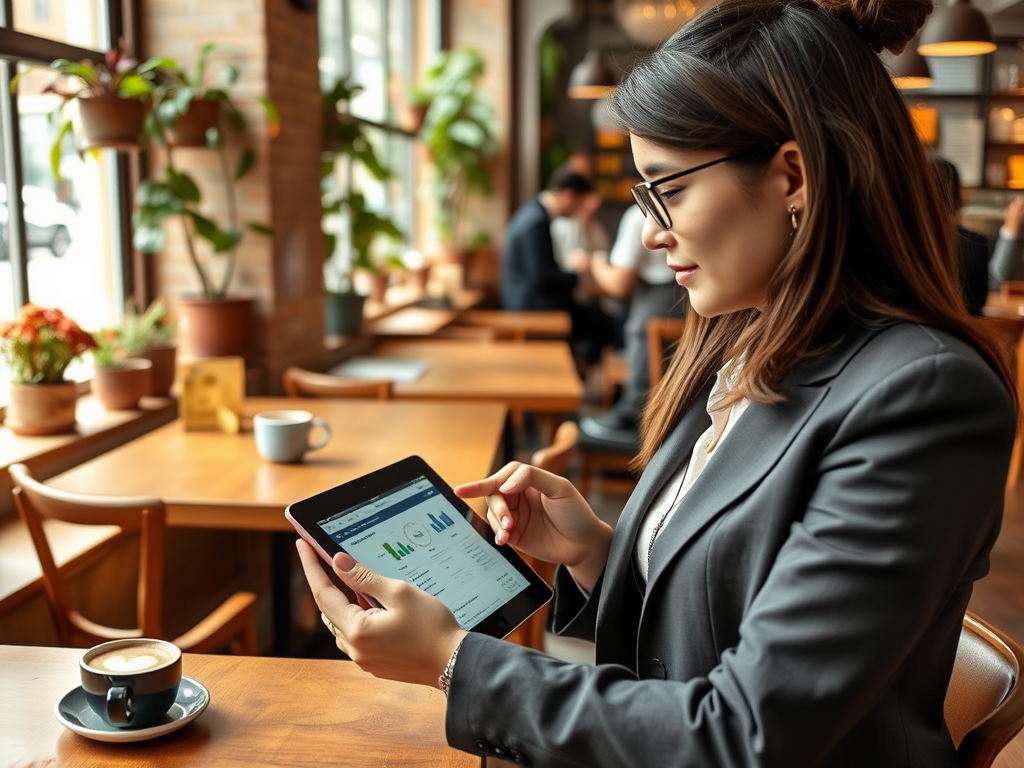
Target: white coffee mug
point(283, 436)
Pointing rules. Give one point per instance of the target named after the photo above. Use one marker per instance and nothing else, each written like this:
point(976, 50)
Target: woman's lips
point(682, 273)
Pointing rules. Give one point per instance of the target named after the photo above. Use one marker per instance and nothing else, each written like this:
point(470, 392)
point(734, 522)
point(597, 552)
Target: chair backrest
point(557, 456)
point(663, 333)
point(299, 382)
point(37, 502)
point(984, 706)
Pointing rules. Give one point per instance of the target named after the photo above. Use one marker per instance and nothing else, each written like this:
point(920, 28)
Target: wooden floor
point(999, 597)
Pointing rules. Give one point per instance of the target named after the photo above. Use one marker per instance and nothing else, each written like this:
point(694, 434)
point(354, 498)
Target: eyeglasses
point(650, 200)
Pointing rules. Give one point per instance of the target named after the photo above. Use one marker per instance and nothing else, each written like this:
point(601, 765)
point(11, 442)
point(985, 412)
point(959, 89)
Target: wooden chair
point(553, 458)
point(663, 333)
point(299, 382)
point(234, 621)
point(984, 706)
point(614, 373)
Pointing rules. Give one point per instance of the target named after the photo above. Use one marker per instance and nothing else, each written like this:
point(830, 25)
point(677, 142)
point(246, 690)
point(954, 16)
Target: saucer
point(74, 713)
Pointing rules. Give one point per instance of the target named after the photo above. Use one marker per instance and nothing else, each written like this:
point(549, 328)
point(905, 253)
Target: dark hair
point(565, 178)
point(874, 243)
point(948, 179)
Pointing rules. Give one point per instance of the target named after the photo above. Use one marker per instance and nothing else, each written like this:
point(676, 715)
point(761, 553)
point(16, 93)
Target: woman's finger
point(331, 600)
point(489, 485)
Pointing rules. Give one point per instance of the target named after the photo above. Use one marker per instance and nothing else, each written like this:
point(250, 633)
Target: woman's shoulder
point(868, 356)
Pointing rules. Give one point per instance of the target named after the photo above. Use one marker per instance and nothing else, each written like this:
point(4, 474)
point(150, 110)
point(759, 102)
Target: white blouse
point(670, 497)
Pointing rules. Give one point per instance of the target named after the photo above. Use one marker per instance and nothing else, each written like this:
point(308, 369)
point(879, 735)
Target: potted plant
point(112, 96)
point(212, 324)
point(38, 346)
point(119, 379)
point(345, 137)
point(153, 340)
point(460, 133)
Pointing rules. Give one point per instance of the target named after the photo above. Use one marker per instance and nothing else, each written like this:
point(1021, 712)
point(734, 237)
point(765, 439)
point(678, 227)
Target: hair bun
point(884, 24)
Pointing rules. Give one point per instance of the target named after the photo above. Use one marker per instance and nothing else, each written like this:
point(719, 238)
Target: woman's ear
point(788, 167)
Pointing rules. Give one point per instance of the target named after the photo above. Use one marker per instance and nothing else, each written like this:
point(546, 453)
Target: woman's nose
point(653, 236)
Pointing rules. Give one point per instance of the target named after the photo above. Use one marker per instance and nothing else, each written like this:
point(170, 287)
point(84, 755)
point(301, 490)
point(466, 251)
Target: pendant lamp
point(909, 69)
point(591, 78)
point(958, 29)
point(652, 22)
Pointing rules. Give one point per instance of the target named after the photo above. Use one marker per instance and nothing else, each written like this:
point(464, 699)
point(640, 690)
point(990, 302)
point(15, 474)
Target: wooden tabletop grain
point(217, 480)
point(521, 325)
point(534, 376)
point(262, 712)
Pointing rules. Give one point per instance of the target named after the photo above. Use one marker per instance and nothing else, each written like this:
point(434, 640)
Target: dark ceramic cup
point(131, 683)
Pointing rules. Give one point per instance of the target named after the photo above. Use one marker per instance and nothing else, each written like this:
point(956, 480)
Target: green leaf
point(273, 118)
point(55, 148)
point(261, 229)
point(183, 186)
point(213, 137)
point(245, 163)
point(183, 98)
point(149, 239)
point(167, 113)
point(229, 74)
point(133, 87)
point(155, 63)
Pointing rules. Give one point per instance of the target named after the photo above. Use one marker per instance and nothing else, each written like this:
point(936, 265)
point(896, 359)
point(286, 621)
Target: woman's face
point(727, 237)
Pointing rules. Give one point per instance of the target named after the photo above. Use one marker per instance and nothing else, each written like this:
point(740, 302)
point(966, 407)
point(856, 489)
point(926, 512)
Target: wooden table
point(520, 326)
point(411, 321)
point(1007, 307)
point(262, 712)
point(217, 480)
point(537, 376)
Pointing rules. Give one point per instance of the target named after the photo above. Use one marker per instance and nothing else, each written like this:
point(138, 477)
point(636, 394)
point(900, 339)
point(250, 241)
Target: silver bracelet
point(445, 680)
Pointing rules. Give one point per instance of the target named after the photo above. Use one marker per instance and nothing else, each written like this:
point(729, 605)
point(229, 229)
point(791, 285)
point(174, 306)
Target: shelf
point(1007, 145)
point(925, 95)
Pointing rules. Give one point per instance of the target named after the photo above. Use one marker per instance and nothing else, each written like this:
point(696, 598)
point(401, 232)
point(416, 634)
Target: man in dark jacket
point(531, 278)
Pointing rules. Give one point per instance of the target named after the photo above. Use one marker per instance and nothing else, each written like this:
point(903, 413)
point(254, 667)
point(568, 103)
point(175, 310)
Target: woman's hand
point(543, 515)
point(410, 638)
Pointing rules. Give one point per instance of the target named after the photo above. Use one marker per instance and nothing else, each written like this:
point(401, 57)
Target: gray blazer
point(803, 607)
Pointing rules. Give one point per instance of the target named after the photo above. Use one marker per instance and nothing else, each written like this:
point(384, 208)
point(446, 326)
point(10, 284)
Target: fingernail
point(506, 523)
point(344, 561)
point(506, 486)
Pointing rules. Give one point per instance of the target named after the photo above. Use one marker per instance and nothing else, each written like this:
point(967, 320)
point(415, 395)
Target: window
point(371, 42)
point(60, 240)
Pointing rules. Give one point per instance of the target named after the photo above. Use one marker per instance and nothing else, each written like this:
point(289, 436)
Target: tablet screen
point(414, 533)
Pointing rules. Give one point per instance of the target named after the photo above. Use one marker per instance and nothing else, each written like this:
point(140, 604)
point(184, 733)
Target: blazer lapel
point(618, 582)
point(752, 448)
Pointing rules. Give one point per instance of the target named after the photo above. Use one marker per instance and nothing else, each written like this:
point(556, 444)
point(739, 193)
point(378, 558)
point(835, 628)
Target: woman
point(786, 585)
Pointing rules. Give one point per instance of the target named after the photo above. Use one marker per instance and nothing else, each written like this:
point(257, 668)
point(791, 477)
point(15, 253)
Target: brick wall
point(275, 48)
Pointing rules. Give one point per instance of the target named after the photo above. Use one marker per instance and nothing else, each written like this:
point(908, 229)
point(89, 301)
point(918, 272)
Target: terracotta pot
point(42, 409)
point(451, 254)
point(191, 128)
point(378, 285)
point(343, 313)
point(109, 121)
point(121, 388)
point(214, 327)
point(415, 115)
point(164, 360)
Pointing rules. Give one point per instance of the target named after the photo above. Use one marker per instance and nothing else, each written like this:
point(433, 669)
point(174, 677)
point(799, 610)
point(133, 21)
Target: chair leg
point(1016, 459)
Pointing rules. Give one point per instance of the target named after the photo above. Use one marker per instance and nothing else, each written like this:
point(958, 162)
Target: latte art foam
point(132, 658)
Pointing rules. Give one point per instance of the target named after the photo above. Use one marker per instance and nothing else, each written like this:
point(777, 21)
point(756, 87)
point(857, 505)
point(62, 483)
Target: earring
point(792, 216)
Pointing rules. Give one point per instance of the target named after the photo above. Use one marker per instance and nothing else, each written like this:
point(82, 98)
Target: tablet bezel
point(306, 514)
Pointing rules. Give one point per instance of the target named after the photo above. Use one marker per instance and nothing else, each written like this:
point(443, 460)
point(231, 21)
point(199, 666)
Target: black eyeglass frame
point(650, 201)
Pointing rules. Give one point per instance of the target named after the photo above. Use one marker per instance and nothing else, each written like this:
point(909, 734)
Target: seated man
point(531, 278)
point(632, 270)
point(971, 247)
point(1007, 261)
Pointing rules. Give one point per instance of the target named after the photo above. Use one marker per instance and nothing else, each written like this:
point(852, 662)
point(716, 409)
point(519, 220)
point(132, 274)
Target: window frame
point(20, 47)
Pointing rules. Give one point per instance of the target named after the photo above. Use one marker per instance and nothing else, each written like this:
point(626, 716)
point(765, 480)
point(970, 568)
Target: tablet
point(404, 522)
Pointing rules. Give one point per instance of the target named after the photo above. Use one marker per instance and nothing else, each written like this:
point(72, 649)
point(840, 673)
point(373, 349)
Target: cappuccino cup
point(131, 683)
point(284, 436)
